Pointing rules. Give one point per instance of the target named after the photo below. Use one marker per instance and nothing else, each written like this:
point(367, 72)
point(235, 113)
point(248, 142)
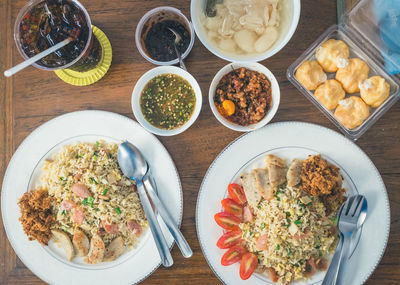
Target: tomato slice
point(248, 265)
point(233, 255)
point(227, 221)
point(232, 207)
point(237, 193)
point(229, 239)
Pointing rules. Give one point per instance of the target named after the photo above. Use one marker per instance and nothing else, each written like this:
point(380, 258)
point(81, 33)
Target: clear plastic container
point(362, 32)
point(89, 56)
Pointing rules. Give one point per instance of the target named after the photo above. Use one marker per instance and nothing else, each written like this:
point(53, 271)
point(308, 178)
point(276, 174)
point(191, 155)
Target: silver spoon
point(352, 215)
point(134, 166)
point(178, 38)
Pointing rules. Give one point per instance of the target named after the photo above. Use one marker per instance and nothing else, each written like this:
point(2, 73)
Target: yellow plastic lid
point(89, 77)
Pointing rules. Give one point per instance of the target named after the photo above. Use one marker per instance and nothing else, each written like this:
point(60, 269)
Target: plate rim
point(54, 120)
point(322, 128)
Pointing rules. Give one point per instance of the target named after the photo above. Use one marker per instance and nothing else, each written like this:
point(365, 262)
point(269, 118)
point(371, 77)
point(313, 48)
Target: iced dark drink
point(44, 23)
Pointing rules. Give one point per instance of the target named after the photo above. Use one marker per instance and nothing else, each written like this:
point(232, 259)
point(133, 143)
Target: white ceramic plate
point(290, 140)
point(23, 173)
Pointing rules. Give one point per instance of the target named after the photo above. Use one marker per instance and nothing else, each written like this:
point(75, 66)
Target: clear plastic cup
point(87, 59)
point(159, 14)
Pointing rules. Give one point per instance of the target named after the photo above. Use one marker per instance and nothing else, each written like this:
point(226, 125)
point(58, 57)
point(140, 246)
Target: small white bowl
point(141, 84)
point(275, 92)
point(290, 25)
point(161, 13)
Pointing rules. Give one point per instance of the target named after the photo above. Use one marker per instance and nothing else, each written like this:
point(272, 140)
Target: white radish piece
point(245, 40)
point(228, 45)
point(267, 40)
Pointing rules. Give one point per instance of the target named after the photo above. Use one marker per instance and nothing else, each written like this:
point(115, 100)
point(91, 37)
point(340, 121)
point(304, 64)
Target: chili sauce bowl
point(141, 85)
point(157, 15)
point(275, 93)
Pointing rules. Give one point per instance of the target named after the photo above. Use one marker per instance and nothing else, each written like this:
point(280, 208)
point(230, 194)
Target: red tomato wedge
point(248, 265)
point(227, 221)
point(233, 255)
point(237, 193)
point(232, 207)
point(229, 239)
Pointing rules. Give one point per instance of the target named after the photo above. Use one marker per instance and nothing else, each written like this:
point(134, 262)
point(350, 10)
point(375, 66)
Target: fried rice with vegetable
point(291, 234)
point(92, 193)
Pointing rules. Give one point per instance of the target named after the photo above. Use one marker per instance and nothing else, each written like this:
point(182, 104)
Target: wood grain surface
point(33, 97)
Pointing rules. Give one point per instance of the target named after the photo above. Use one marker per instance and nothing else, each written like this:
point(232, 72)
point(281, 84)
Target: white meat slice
point(276, 170)
point(96, 251)
point(114, 249)
point(250, 188)
point(65, 243)
point(265, 188)
point(293, 174)
point(81, 242)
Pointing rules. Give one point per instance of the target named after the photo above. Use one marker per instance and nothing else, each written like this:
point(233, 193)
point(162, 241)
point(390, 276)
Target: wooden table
point(33, 97)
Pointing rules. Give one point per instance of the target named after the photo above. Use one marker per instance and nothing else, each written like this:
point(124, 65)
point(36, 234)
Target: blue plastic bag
point(388, 18)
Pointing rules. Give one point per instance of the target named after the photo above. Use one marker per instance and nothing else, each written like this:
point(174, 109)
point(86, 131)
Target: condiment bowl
point(289, 22)
point(141, 84)
point(158, 14)
point(275, 92)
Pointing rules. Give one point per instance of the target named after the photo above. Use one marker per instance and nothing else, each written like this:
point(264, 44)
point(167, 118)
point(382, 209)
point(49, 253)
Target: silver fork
point(351, 215)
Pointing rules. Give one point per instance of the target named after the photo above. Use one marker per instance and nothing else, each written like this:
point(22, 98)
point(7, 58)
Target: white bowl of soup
point(166, 100)
point(245, 30)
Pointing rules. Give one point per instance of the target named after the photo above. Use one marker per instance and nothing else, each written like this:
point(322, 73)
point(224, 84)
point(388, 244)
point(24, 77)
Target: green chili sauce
point(167, 101)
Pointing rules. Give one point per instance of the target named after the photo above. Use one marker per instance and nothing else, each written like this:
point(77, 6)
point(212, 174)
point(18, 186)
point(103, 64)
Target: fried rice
point(298, 230)
point(94, 165)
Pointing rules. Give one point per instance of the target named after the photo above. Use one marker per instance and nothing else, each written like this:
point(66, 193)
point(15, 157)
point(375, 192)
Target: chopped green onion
point(97, 144)
point(93, 180)
point(251, 233)
point(298, 222)
point(110, 155)
point(105, 191)
point(287, 214)
point(278, 247)
point(97, 209)
point(317, 246)
point(288, 220)
point(118, 210)
point(262, 226)
point(63, 212)
point(84, 201)
point(62, 178)
point(289, 252)
point(297, 265)
point(319, 216)
point(80, 155)
point(335, 219)
point(259, 207)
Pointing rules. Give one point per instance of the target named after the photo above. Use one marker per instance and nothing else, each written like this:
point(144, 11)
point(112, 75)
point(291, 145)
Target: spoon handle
point(159, 238)
point(181, 63)
point(331, 275)
point(173, 228)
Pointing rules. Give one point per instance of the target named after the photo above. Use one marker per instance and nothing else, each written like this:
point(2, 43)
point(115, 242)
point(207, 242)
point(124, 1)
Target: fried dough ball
point(374, 91)
point(310, 74)
point(352, 112)
point(351, 75)
point(333, 54)
point(330, 93)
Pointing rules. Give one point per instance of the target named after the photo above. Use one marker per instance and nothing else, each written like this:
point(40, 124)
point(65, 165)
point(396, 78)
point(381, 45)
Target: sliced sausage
point(78, 216)
point(67, 205)
point(134, 227)
point(110, 227)
point(262, 242)
point(80, 190)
